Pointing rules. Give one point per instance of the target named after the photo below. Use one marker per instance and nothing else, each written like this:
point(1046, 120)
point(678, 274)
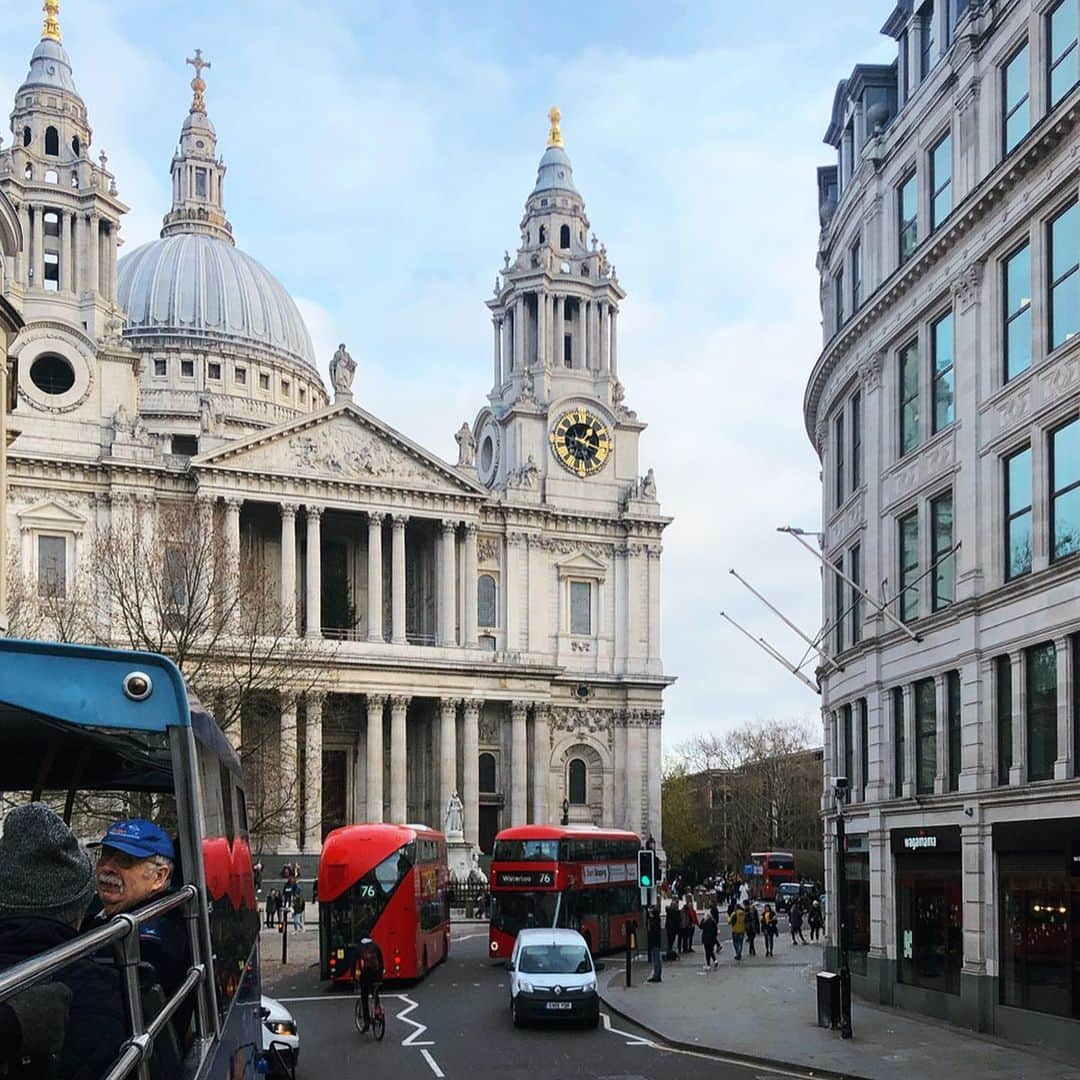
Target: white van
point(552, 977)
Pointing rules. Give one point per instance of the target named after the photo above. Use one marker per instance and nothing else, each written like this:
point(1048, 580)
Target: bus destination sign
point(518, 878)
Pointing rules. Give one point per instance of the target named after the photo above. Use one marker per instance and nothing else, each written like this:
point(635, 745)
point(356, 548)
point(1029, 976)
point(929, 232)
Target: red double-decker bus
point(579, 877)
point(389, 883)
point(771, 868)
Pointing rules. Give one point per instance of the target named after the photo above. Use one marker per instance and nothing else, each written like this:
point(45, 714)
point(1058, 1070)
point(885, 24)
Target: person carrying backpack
point(737, 922)
point(753, 925)
point(298, 911)
point(368, 973)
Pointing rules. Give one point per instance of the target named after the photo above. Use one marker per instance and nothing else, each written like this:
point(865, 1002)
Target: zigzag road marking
point(411, 1040)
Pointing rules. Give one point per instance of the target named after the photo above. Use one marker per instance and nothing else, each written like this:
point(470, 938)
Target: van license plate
point(560, 1004)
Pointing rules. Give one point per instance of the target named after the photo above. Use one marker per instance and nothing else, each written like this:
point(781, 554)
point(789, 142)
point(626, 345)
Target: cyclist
point(368, 973)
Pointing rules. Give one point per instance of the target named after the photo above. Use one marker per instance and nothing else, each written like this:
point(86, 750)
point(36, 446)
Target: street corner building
point(489, 627)
point(945, 408)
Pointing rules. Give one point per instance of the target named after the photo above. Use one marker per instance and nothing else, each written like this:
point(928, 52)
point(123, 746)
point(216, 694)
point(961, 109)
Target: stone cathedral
point(502, 635)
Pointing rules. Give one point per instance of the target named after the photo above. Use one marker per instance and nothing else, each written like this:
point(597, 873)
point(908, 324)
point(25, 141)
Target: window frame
point(926, 748)
point(907, 571)
point(1023, 310)
point(908, 353)
point(856, 275)
point(937, 190)
point(856, 440)
point(855, 573)
point(1025, 99)
point(906, 225)
point(1011, 515)
point(838, 296)
point(1053, 62)
point(494, 624)
point(838, 459)
point(1003, 719)
point(938, 375)
point(953, 728)
point(1052, 283)
point(47, 589)
point(1056, 493)
point(938, 601)
point(839, 589)
point(1046, 713)
point(590, 586)
point(899, 743)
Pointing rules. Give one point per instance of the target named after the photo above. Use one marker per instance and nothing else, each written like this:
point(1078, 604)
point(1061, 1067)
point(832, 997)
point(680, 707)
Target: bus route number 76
point(367, 891)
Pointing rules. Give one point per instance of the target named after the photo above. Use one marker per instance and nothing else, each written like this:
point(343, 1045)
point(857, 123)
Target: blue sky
point(379, 157)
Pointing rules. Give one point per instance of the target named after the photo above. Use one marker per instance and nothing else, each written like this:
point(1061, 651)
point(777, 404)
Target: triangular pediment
point(51, 513)
point(581, 562)
point(341, 444)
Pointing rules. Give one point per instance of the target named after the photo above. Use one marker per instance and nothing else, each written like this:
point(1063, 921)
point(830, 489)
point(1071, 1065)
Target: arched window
point(26, 136)
point(577, 782)
point(485, 601)
point(76, 146)
point(543, 234)
point(52, 141)
point(564, 237)
point(28, 172)
point(487, 774)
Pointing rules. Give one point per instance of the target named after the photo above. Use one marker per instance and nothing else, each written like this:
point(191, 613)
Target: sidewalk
point(766, 1009)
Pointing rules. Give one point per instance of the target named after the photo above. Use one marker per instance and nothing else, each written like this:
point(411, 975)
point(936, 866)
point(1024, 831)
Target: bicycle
point(378, 1016)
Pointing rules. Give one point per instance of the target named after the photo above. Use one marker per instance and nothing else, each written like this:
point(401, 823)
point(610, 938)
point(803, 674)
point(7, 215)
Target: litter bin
point(828, 999)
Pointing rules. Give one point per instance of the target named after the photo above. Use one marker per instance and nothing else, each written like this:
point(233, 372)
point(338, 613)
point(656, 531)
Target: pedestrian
point(653, 940)
point(256, 871)
point(753, 926)
point(768, 928)
point(737, 922)
point(672, 927)
point(708, 940)
point(298, 906)
point(795, 918)
point(271, 907)
point(689, 923)
point(816, 921)
point(744, 892)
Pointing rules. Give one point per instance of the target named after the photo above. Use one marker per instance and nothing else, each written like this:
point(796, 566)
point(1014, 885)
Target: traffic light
point(646, 868)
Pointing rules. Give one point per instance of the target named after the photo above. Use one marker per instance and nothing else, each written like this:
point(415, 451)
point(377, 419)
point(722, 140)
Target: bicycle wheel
point(378, 1023)
point(358, 1016)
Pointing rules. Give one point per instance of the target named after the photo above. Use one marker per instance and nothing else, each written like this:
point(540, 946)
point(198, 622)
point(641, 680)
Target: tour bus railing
point(122, 932)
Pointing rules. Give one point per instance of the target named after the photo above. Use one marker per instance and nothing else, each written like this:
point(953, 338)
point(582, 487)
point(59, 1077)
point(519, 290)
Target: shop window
point(1016, 99)
point(857, 868)
point(52, 567)
point(1003, 671)
point(941, 552)
point(1065, 491)
point(1041, 719)
point(899, 742)
point(486, 593)
point(1017, 336)
point(1063, 54)
point(943, 397)
point(487, 774)
point(930, 922)
point(925, 736)
point(952, 725)
point(1018, 514)
point(577, 778)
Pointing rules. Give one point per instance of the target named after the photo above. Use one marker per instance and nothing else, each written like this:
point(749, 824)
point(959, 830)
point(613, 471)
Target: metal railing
point(122, 932)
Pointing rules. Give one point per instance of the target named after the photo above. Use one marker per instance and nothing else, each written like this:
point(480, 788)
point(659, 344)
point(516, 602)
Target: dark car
point(789, 891)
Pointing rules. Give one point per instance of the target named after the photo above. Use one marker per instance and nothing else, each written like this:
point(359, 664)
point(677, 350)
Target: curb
point(732, 1055)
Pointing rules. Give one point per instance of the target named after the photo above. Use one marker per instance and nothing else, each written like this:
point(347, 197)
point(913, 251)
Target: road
point(456, 1024)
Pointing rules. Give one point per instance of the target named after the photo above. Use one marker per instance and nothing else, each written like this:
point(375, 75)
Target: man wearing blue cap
point(135, 866)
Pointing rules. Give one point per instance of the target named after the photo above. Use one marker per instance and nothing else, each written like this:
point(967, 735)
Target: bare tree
point(685, 830)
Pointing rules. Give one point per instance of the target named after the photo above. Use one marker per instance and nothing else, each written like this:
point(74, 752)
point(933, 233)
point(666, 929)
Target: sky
point(379, 156)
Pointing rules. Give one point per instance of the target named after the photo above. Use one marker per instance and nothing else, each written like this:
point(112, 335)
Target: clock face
point(581, 442)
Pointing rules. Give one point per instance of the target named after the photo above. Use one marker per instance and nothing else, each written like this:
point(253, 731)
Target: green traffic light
point(646, 883)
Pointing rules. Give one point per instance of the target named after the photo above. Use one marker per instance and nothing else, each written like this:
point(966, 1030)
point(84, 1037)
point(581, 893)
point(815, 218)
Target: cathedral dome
point(199, 288)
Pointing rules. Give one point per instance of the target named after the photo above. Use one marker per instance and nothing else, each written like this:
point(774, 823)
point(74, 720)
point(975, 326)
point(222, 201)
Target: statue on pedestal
point(342, 370)
point(455, 816)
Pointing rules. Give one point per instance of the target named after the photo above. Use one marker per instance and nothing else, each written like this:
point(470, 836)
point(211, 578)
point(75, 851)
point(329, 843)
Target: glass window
point(838, 448)
point(555, 960)
point(1003, 673)
point(187, 369)
point(241, 376)
point(941, 544)
point(908, 206)
point(514, 911)
point(925, 736)
point(856, 276)
point(941, 343)
point(1017, 275)
point(899, 741)
point(580, 607)
point(1065, 276)
point(486, 780)
point(838, 599)
point(52, 566)
point(952, 716)
point(864, 746)
point(1016, 88)
point(1040, 946)
point(909, 397)
point(213, 370)
point(1018, 513)
point(1041, 710)
point(1076, 703)
point(849, 747)
point(175, 578)
point(926, 39)
point(1064, 64)
point(485, 601)
point(161, 366)
point(200, 183)
point(52, 270)
point(1065, 490)
point(856, 441)
point(940, 182)
point(577, 782)
point(857, 867)
point(264, 381)
point(526, 851)
point(930, 925)
point(909, 567)
point(855, 573)
point(838, 290)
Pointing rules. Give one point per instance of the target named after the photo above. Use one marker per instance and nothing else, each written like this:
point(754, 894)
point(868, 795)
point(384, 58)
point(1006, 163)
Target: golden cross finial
point(51, 28)
point(555, 135)
point(198, 86)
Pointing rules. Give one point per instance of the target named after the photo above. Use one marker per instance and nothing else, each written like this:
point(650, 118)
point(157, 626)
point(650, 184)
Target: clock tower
point(556, 429)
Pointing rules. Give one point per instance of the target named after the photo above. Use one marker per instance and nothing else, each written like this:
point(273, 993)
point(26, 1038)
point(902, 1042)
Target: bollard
point(631, 945)
point(283, 930)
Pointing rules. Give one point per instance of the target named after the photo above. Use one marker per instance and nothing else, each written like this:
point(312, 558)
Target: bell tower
point(555, 315)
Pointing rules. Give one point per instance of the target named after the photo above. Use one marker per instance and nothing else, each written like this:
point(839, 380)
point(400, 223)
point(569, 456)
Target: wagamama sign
point(913, 843)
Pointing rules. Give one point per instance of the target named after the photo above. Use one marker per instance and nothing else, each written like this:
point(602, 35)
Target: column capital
point(472, 708)
point(204, 499)
point(376, 517)
point(314, 512)
point(541, 709)
point(400, 520)
point(233, 502)
point(518, 709)
point(449, 525)
point(449, 704)
point(376, 701)
point(471, 529)
point(288, 510)
point(315, 698)
point(400, 701)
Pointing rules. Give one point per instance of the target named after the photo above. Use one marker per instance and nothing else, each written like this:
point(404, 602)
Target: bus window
point(511, 912)
point(526, 850)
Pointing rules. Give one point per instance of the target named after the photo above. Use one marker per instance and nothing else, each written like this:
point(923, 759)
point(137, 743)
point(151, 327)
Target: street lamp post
point(840, 791)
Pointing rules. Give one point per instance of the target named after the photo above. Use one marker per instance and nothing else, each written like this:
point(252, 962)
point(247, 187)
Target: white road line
point(466, 937)
point(420, 1028)
point(631, 1040)
point(431, 1061)
point(335, 997)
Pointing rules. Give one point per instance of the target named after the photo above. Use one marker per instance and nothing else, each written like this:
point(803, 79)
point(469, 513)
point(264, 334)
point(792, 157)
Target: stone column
point(542, 325)
point(519, 784)
point(93, 253)
point(288, 568)
point(858, 781)
point(635, 755)
point(447, 582)
point(519, 334)
point(314, 572)
point(941, 735)
point(397, 583)
point(447, 755)
point(470, 772)
point(655, 776)
point(496, 325)
point(541, 764)
point(375, 703)
point(22, 257)
point(558, 334)
point(909, 740)
point(586, 309)
point(313, 773)
point(1066, 751)
point(604, 364)
point(374, 575)
point(1018, 772)
point(204, 510)
point(290, 789)
point(613, 346)
point(37, 246)
point(469, 632)
point(506, 324)
point(398, 758)
point(231, 572)
point(67, 275)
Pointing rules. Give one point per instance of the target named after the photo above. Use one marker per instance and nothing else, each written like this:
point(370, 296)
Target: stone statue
point(618, 393)
point(455, 816)
point(122, 422)
point(342, 370)
point(530, 473)
point(527, 383)
point(466, 447)
point(648, 485)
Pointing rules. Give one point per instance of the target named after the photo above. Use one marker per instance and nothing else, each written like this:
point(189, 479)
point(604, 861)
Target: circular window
point(487, 453)
point(199, 143)
point(52, 374)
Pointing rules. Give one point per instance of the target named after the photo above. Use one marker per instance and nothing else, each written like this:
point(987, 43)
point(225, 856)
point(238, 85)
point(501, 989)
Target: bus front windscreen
point(514, 911)
point(353, 915)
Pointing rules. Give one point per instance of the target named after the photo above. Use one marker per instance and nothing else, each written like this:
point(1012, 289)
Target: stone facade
point(951, 364)
point(504, 612)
